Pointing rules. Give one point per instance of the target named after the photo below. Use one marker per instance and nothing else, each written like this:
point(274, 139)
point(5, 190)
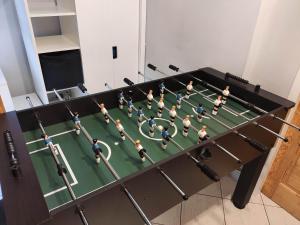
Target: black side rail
point(231, 76)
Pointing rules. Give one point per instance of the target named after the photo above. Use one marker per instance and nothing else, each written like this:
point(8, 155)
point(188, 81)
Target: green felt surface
point(79, 159)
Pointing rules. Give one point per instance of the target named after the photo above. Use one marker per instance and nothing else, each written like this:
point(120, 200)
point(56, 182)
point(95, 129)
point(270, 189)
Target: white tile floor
point(212, 206)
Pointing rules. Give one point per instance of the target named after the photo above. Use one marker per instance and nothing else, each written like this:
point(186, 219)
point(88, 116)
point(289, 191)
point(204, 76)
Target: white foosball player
point(140, 150)
point(120, 128)
point(160, 106)
point(172, 115)
point(104, 112)
point(149, 99)
point(189, 90)
point(203, 136)
point(186, 125)
point(217, 105)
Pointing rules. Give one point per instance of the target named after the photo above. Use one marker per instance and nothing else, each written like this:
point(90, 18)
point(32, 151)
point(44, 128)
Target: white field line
point(245, 112)
point(240, 124)
point(202, 91)
point(78, 197)
point(75, 181)
point(55, 135)
point(210, 95)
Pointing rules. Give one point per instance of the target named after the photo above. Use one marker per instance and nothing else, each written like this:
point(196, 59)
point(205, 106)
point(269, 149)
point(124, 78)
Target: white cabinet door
point(125, 35)
point(94, 25)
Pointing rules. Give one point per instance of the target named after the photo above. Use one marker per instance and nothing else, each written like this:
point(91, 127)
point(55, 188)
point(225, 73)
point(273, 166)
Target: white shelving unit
point(47, 26)
point(55, 43)
point(47, 8)
point(51, 12)
point(93, 27)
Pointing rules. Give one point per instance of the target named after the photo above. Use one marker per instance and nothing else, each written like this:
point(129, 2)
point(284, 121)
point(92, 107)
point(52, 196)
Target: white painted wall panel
point(13, 60)
point(125, 35)
point(274, 59)
point(95, 37)
point(199, 33)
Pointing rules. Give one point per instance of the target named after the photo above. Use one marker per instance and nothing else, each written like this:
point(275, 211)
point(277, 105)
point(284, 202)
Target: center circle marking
point(157, 139)
point(108, 149)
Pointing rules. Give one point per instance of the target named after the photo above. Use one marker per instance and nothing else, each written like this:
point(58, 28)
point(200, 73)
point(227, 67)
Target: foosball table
point(125, 156)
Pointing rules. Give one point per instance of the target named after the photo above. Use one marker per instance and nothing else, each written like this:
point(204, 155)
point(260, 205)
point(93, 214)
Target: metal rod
point(195, 129)
point(205, 169)
point(246, 118)
point(110, 168)
point(136, 205)
point(58, 164)
point(175, 186)
point(61, 99)
point(248, 104)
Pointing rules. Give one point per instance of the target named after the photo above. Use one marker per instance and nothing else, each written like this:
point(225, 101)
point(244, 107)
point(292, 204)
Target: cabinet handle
point(115, 52)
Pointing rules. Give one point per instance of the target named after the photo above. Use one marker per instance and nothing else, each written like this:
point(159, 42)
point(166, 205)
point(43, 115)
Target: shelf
point(21, 103)
point(55, 43)
point(51, 12)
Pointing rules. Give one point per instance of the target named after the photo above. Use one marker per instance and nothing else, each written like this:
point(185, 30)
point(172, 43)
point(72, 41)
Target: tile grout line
point(265, 208)
point(269, 205)
point(180, 213)
point(222, 203)
point(213, 196)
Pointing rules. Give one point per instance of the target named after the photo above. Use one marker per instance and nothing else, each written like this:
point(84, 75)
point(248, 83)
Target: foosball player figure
point(217, 105)
point(76, 121)
point(165, 137)
point(203, 136)
point(130, 107)
point(189, 89)
point(140, 150)
point(178, 100)
point(161, 87)
point(160, 106)
point(104, 112)
point(186, 125)
point(121, 99)
point(152, 125)
point(172, 115)
point(140, 115)
point(201, 112)
point(96, 149)
point(48, 142)
point(225, 95)
point(149, 99)
point(120, 129)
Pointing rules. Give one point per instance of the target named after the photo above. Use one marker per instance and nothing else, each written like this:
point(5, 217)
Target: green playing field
point(76, 155)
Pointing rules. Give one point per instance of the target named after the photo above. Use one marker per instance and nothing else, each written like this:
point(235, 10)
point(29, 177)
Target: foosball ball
point(125, 156)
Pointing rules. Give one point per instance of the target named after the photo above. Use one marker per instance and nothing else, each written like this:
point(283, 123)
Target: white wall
point(274, 58)
point(199, 33)
point(13, 60)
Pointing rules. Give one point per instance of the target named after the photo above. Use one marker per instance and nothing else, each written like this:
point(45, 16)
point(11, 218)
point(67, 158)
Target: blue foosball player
point(49, 143)
point(76, 121)
point(200, 112)
point(161, 87)
point(96, 149)
point(152, 125)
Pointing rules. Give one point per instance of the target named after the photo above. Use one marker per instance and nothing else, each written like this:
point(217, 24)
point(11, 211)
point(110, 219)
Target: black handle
point(11, 151)
point(172, 67)
point(229, 75)
point(82, 88)
point(208, 171)
point(259, 146)
point(152, 67)
point(127, 81)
